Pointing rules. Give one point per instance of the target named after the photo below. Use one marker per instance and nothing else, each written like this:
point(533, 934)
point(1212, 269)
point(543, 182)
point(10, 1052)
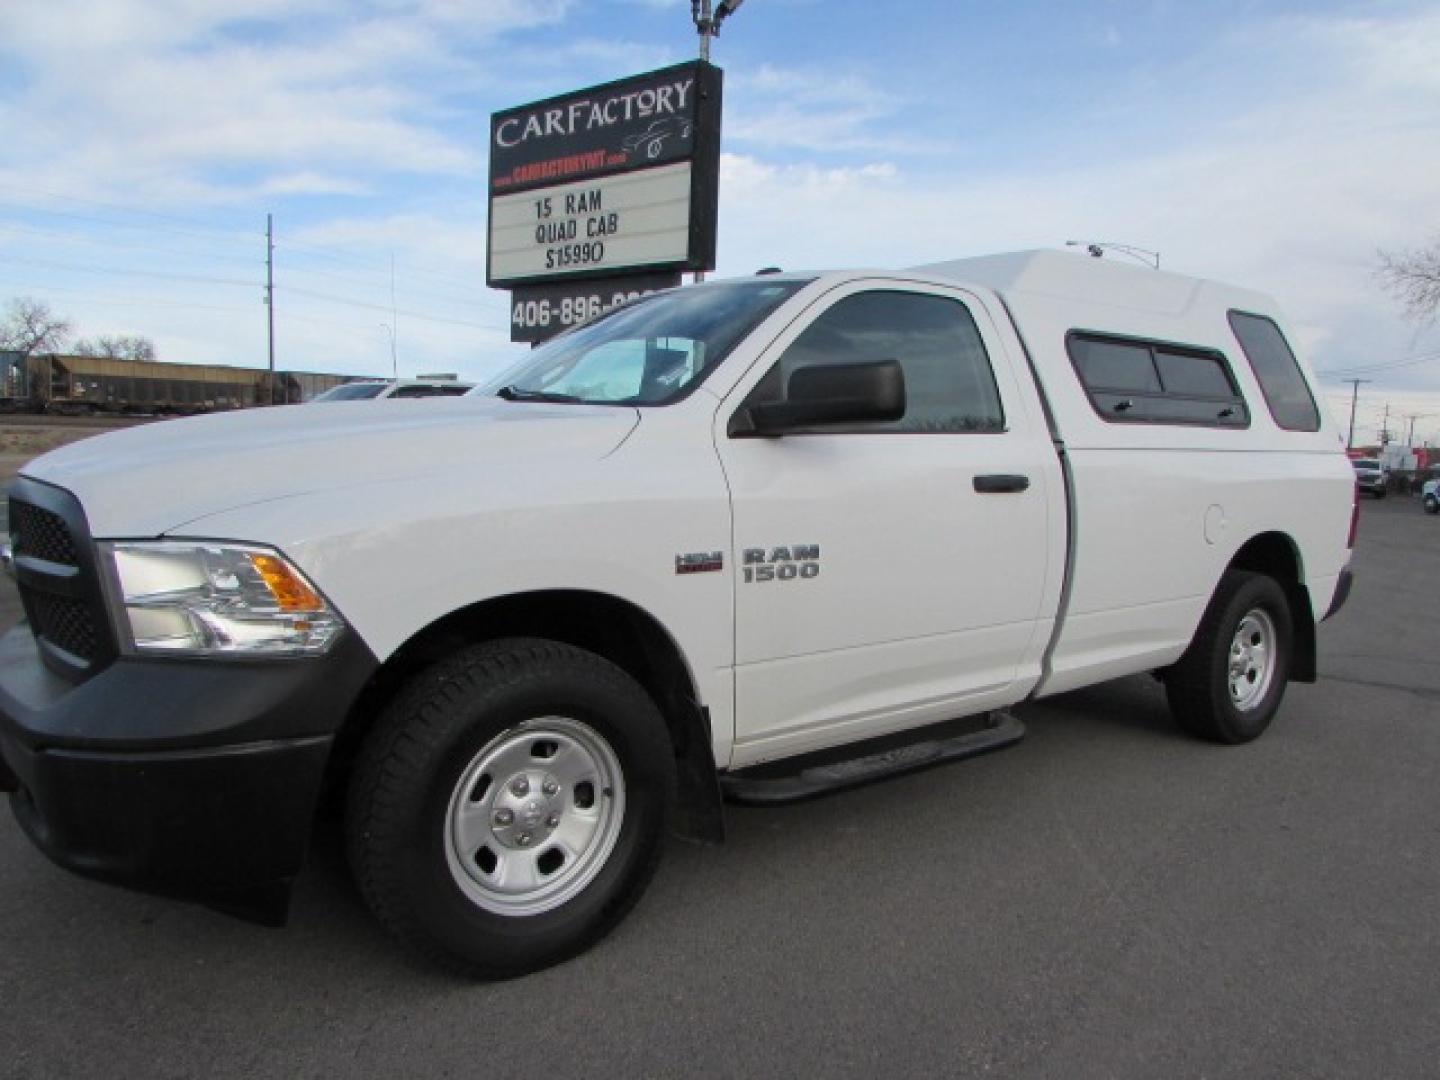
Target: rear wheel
point(507, 810)
point(1229, 684)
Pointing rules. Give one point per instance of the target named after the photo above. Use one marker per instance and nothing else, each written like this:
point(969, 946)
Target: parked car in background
point(1370, 475)
point(374, 389)
point(1430, 496)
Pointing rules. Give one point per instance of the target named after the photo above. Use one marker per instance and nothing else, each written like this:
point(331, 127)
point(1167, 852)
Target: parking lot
point(1107, 898)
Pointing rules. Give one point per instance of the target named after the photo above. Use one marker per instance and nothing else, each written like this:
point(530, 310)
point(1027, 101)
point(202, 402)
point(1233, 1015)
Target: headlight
point(190, 597)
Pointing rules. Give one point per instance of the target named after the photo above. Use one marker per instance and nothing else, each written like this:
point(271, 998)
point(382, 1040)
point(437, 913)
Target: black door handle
point(1000, 483)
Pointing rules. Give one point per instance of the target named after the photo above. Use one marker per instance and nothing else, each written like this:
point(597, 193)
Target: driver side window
point(949, 384)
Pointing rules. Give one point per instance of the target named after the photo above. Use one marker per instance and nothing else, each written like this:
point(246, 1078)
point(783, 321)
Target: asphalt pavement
point(1108, 898)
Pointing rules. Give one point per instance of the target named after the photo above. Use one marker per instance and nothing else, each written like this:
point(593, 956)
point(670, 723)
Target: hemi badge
point(699, 562)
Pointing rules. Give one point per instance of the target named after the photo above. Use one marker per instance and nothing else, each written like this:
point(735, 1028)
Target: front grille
point(41, 534)
point(58, 579)
point(66, 624)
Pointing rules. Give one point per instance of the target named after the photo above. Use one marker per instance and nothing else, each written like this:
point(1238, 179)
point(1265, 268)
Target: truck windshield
point(651, 352)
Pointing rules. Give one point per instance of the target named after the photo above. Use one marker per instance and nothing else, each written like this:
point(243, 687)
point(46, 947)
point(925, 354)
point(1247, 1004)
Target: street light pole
point(707, 25)
point(270, 296)
point(394, 363)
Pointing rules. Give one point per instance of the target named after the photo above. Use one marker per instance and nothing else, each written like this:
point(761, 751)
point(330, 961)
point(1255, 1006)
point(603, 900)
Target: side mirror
point(829, 394)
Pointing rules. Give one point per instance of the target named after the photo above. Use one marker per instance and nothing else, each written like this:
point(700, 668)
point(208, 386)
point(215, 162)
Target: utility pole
point(1412, 417)
point(1385, 428)
point(1354, 395)
point(270, 297)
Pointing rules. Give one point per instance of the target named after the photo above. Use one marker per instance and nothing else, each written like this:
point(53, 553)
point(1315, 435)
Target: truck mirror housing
point(870, 392)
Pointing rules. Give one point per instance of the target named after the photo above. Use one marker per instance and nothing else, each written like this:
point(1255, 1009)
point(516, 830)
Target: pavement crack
point(1428, 693)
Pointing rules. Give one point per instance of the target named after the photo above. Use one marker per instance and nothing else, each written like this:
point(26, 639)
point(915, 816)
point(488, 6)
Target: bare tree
point(1414, 278)
point(30, 327)
point(119, 347)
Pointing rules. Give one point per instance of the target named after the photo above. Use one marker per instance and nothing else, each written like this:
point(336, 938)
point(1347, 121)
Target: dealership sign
point(539, 312)
point(616, 180)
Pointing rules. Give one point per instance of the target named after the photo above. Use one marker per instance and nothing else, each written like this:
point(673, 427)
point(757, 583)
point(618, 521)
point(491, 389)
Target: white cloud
point(162, 97)
point(813, 111)
point(1291, 195)
point(311, 183)
point(1279, 155)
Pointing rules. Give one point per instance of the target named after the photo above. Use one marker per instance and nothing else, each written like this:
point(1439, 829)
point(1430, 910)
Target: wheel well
point(1275, 555)
point(621, 632)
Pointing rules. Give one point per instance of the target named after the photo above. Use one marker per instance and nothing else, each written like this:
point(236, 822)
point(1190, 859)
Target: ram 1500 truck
point(734, 538)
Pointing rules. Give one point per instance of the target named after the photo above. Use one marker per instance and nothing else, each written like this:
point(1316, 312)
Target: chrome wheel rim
point(535, 816)
point(1252, 659)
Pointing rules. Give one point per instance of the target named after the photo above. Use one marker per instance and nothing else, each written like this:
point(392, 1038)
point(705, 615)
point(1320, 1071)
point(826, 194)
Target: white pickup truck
point(720, 540)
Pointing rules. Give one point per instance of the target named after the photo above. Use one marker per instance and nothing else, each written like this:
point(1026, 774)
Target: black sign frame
point(590, 155)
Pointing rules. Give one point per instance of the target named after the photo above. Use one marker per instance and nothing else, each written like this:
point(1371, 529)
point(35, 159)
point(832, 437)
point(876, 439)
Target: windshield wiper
point(516, 393)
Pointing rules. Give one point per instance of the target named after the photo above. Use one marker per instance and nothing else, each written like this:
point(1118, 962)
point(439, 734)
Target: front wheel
point(507, 810)
point(1431, 506)
point(1229, 684)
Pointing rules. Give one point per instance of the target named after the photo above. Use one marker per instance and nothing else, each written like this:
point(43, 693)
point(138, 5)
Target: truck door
point(888, 574)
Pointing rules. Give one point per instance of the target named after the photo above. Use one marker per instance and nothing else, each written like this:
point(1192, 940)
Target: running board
point(1000, 730)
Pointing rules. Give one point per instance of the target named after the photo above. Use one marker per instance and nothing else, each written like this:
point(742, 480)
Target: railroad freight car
point(73, 385)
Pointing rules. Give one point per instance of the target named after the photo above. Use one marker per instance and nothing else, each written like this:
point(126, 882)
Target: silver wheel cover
point(1253, 655)
point(534, 816)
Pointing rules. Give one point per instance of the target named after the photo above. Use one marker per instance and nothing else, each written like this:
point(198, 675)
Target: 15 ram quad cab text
point(718, 541)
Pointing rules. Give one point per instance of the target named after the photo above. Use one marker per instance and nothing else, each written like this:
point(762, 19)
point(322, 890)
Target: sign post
point(602, 194)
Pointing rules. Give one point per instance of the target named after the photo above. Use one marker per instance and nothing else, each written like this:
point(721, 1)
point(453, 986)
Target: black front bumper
point(190, 778)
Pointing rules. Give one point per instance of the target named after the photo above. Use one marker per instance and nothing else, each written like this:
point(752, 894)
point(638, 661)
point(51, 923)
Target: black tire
point(406, 791)
point(1431, 506)
point(1380, 494)
point(1198, 686)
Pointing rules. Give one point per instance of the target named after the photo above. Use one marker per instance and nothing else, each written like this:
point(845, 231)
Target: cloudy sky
point(1274, 144)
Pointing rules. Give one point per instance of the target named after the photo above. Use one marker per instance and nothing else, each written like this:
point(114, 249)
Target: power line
point(110, 243)
point(128, 301)
point(204, 234)
point(130, 245)
point(232, 235)
point(354, 278)
point(189, 221)
point(195, 228)
point(1345, 372)
point(51, 264)
point(423, 316)
point(335, 255)
point(386, 308)
point(102, 300)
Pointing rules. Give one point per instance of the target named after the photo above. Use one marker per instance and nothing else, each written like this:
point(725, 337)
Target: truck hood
point(148, 480)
